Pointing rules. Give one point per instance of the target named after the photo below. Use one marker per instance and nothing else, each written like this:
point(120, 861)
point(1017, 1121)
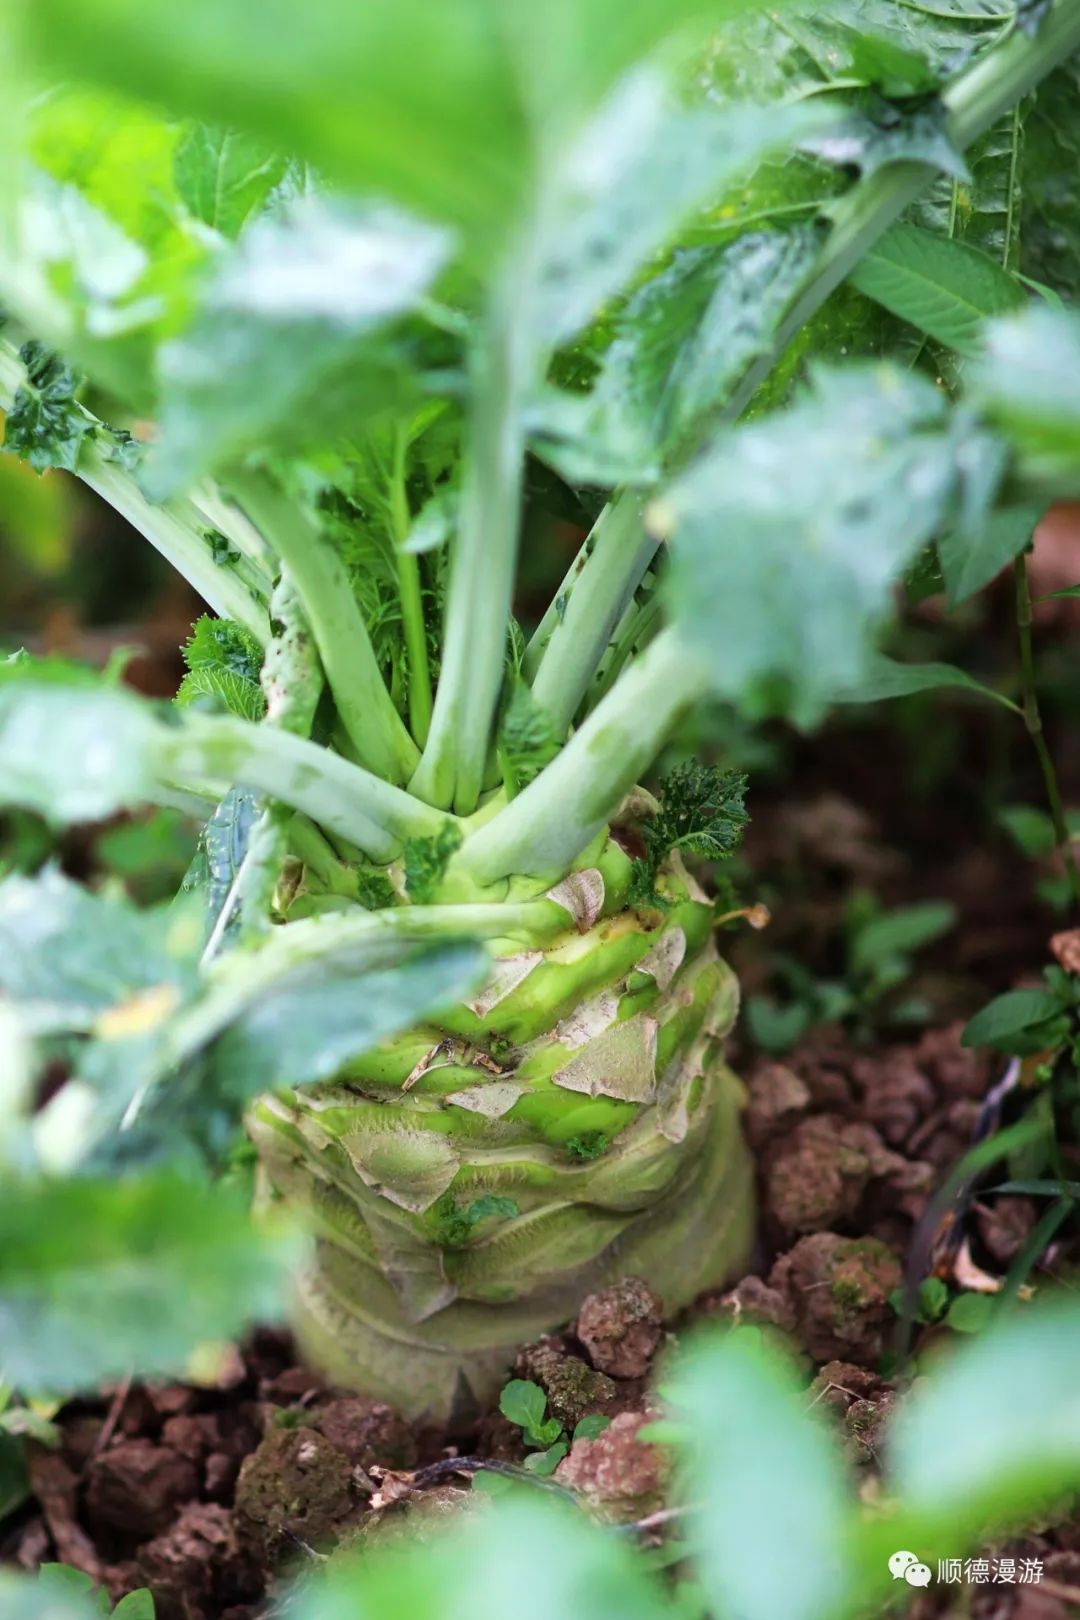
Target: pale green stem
point(342, 797)
point(621, 553)
point(641, 623)
point(374, 727)
point(412, 601)
point(546, 827)
point(478, 602)
point(235, 590)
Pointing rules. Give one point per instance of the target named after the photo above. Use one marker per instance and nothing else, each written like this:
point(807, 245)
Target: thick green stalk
point(342, 797)
point(547, 826)
point(479, 598)
point(235, 589)
point(1034, 726)
point(375, 729)
point(620, 554)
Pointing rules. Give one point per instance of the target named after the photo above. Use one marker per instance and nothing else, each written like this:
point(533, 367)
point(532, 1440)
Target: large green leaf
point(436, 105)
point(770, 1503)
point(1051, 184)
point(67, 955)
point(223, 175)
point(943, 287)
point(281, 346)
point(638, 171)
point(314, 1023)
point(22, 1598)
point(788, 534)
point(1029, 381)
point(100, 1277)
point(996, 1433)
point(491, 1568)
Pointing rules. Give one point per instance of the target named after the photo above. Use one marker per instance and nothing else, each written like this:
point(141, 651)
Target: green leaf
point(945, 288)
point(787, 535)
point(1031, 830)
point(997, 1430)
point(45, 425)
point(137, 1605)
point(1050, 184)
point(1069, 591)
point(898, 932)
point(592, 1424)
point(99, 1277)
point(545, 1462)
point(95, 762)
point(224, 175)
point(1029, 382)
point(971, 1313)
point(308, 1030)
point(523, 1403)
point(526, 1556)
point(224, 645)
point(684, 338)
point(885, 678)
point(223, 844)
point(1009, 1014)
point(771, 1511)
point(637, 172)
point(281, 346)
point(62, 1578)
point(971, 558)
point(220, 691)
point(27, 1598)
point(67, 955)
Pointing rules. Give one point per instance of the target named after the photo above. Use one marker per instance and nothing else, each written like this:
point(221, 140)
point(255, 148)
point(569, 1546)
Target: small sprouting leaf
point(222, 644)
point(1010, 1014)
point(426, 860)
point(138, 1605)
point(221, 691)
point(944, 287)
point(46, 426)
point(971, 1313)
point(527, 739)
point(545, 1462)
point(224, 175)
point(99, 1276)
point(523, 1403)
point(592, 1424)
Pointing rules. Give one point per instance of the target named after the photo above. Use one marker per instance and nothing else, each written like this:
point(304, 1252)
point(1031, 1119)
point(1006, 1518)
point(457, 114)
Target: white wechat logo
point(905, 1566)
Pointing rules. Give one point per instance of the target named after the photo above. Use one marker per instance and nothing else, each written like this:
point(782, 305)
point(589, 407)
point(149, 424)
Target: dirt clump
point(620, 1328)
point(620, 1475)
point(296, 1490)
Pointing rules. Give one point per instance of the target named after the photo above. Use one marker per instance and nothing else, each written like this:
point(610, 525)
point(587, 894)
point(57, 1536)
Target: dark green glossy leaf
point(97, 1277)
point(943, 287)
point(1051, 184)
